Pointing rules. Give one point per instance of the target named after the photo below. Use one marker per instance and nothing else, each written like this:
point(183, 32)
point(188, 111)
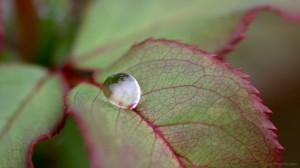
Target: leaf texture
point(194, 111)
point(31, 109)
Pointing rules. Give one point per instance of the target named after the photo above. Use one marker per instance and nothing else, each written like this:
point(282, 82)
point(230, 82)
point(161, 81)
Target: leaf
point(110, 27)
point(275, 49)
point(66, 150)
point(31, 110)
point(194, 111)
point(242, 29)
point(271, 56)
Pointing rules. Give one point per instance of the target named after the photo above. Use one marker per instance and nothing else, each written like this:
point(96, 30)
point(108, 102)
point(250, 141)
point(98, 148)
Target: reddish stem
point(27, 21)
point(76, 76)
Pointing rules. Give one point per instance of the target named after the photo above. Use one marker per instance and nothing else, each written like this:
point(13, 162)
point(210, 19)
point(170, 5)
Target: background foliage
point(49, 32)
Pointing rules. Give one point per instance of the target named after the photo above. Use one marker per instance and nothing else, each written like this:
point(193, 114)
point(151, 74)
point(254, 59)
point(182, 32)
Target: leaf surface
point(31, 109)
point(110, 27)
point(194, 111)
point(271, 56)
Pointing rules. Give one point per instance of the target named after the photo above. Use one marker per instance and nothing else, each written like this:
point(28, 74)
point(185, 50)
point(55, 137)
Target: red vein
point(24, 103)
point(211, 125)
point(159, 134)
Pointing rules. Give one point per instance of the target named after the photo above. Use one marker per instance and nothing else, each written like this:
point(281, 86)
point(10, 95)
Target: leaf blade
point(192, 104)
point(115, 153)
point(28, 111)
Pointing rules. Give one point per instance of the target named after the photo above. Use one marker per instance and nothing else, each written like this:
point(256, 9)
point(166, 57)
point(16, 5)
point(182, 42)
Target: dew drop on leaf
point(122, 90)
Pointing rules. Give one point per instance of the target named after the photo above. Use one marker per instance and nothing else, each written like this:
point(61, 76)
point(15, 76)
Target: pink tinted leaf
point(194, 111)
point(31, 110)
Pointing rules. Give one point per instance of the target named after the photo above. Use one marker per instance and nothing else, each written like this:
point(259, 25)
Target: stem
point(27, 21)
point(75, 76)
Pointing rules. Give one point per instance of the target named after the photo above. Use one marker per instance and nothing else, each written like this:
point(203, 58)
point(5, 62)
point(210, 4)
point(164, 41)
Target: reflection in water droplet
point(122, 90)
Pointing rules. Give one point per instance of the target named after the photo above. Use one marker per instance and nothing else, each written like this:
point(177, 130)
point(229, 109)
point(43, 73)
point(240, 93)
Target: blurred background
point(49, 27)
point(270, 54)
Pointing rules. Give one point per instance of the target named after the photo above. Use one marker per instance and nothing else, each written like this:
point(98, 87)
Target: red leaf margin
point(237, 36)
point(253, 91)
point(57, 128)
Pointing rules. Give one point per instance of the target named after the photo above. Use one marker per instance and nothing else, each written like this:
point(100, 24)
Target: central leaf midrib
point(159, 134)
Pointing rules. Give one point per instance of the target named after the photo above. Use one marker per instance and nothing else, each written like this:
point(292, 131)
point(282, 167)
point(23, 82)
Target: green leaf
point(271, 56)
point(194, 111)
point(270, 53)
point(110, 27)
point(31, 110)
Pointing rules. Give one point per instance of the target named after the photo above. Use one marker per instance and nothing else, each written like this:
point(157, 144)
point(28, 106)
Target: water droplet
point(122, 90)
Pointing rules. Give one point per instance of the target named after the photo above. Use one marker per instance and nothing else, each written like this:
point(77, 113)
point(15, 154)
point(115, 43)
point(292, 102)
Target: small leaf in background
point(194, 111)
point(31, 110)
point(109, 28)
